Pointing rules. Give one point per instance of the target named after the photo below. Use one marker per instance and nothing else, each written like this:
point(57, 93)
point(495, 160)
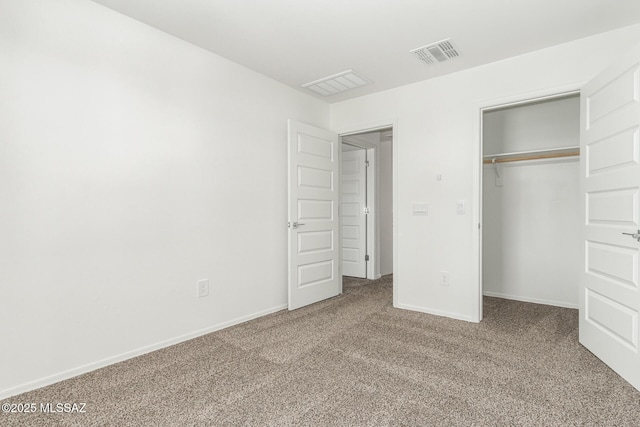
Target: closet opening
point(530, 205)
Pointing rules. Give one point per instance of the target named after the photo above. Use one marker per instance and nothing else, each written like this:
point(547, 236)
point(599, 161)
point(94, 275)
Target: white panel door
point(610, 182)
point(313, 215)
point(352, 213)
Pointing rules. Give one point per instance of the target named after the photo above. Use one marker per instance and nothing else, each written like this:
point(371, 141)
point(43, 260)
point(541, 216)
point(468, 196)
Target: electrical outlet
point(444, 278)
point(203, 288)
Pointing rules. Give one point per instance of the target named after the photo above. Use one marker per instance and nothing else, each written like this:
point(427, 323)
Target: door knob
point(295, 224)
point(634, 235)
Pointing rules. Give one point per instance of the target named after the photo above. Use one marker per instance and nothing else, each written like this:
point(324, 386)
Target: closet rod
point(532, 156)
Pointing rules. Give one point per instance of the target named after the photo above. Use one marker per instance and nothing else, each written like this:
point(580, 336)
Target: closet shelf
point(531, 155)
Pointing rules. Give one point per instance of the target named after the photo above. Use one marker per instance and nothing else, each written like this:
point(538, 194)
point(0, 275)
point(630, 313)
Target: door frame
point(372, 127)
point(478, 109)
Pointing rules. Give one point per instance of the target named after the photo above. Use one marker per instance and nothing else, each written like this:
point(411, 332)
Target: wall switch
point(460, 207)
point(444, 278)
point(203, 288)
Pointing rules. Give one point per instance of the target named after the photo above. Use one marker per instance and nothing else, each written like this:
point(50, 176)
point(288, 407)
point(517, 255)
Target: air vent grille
point(337, 83)
point(433, 53)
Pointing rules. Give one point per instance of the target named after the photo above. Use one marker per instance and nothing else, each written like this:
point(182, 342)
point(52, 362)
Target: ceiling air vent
point(433, 53)
point(337, 83)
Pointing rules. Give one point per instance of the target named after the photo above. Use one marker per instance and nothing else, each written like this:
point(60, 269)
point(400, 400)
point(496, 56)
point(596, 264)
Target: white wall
point(531, 234)
point(438, 133)
point(386, 207)
point(535, 126)
point(132, 164)
point(531, 238)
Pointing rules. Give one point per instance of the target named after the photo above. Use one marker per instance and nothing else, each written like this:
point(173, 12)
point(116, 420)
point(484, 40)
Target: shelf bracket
point(499, 175)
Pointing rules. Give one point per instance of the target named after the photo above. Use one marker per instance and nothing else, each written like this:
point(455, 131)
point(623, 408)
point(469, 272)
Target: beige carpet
point(354, 360)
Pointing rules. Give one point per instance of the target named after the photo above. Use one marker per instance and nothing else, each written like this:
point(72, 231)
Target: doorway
point(313, 202)
point(530, 205)
point(366, 206)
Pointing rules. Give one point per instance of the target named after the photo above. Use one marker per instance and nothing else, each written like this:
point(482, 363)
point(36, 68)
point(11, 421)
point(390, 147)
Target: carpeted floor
point(354, 360)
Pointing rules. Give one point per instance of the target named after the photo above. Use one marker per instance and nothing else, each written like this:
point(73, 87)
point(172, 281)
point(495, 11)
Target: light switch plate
point(460, 207)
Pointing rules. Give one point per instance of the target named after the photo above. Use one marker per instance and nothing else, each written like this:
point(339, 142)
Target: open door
point(313, 215)
point(353, 213)
point(610, 183)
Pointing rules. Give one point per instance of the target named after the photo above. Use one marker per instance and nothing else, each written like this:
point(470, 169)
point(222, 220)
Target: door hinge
point(366, 257)
point(366, 211)
point(366, 163)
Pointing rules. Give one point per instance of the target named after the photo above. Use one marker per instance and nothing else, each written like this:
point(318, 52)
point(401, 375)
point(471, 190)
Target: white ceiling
point(298, 41)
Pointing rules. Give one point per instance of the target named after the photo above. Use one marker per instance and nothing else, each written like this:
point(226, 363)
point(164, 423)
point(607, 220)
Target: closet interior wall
point(531, 209)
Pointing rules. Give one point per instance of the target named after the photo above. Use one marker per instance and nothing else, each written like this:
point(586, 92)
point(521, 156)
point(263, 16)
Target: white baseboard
point(74, 372)
point(441, 313)
point(533, 300)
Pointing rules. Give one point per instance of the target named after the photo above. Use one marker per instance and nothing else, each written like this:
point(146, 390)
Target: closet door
point(610, 184)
